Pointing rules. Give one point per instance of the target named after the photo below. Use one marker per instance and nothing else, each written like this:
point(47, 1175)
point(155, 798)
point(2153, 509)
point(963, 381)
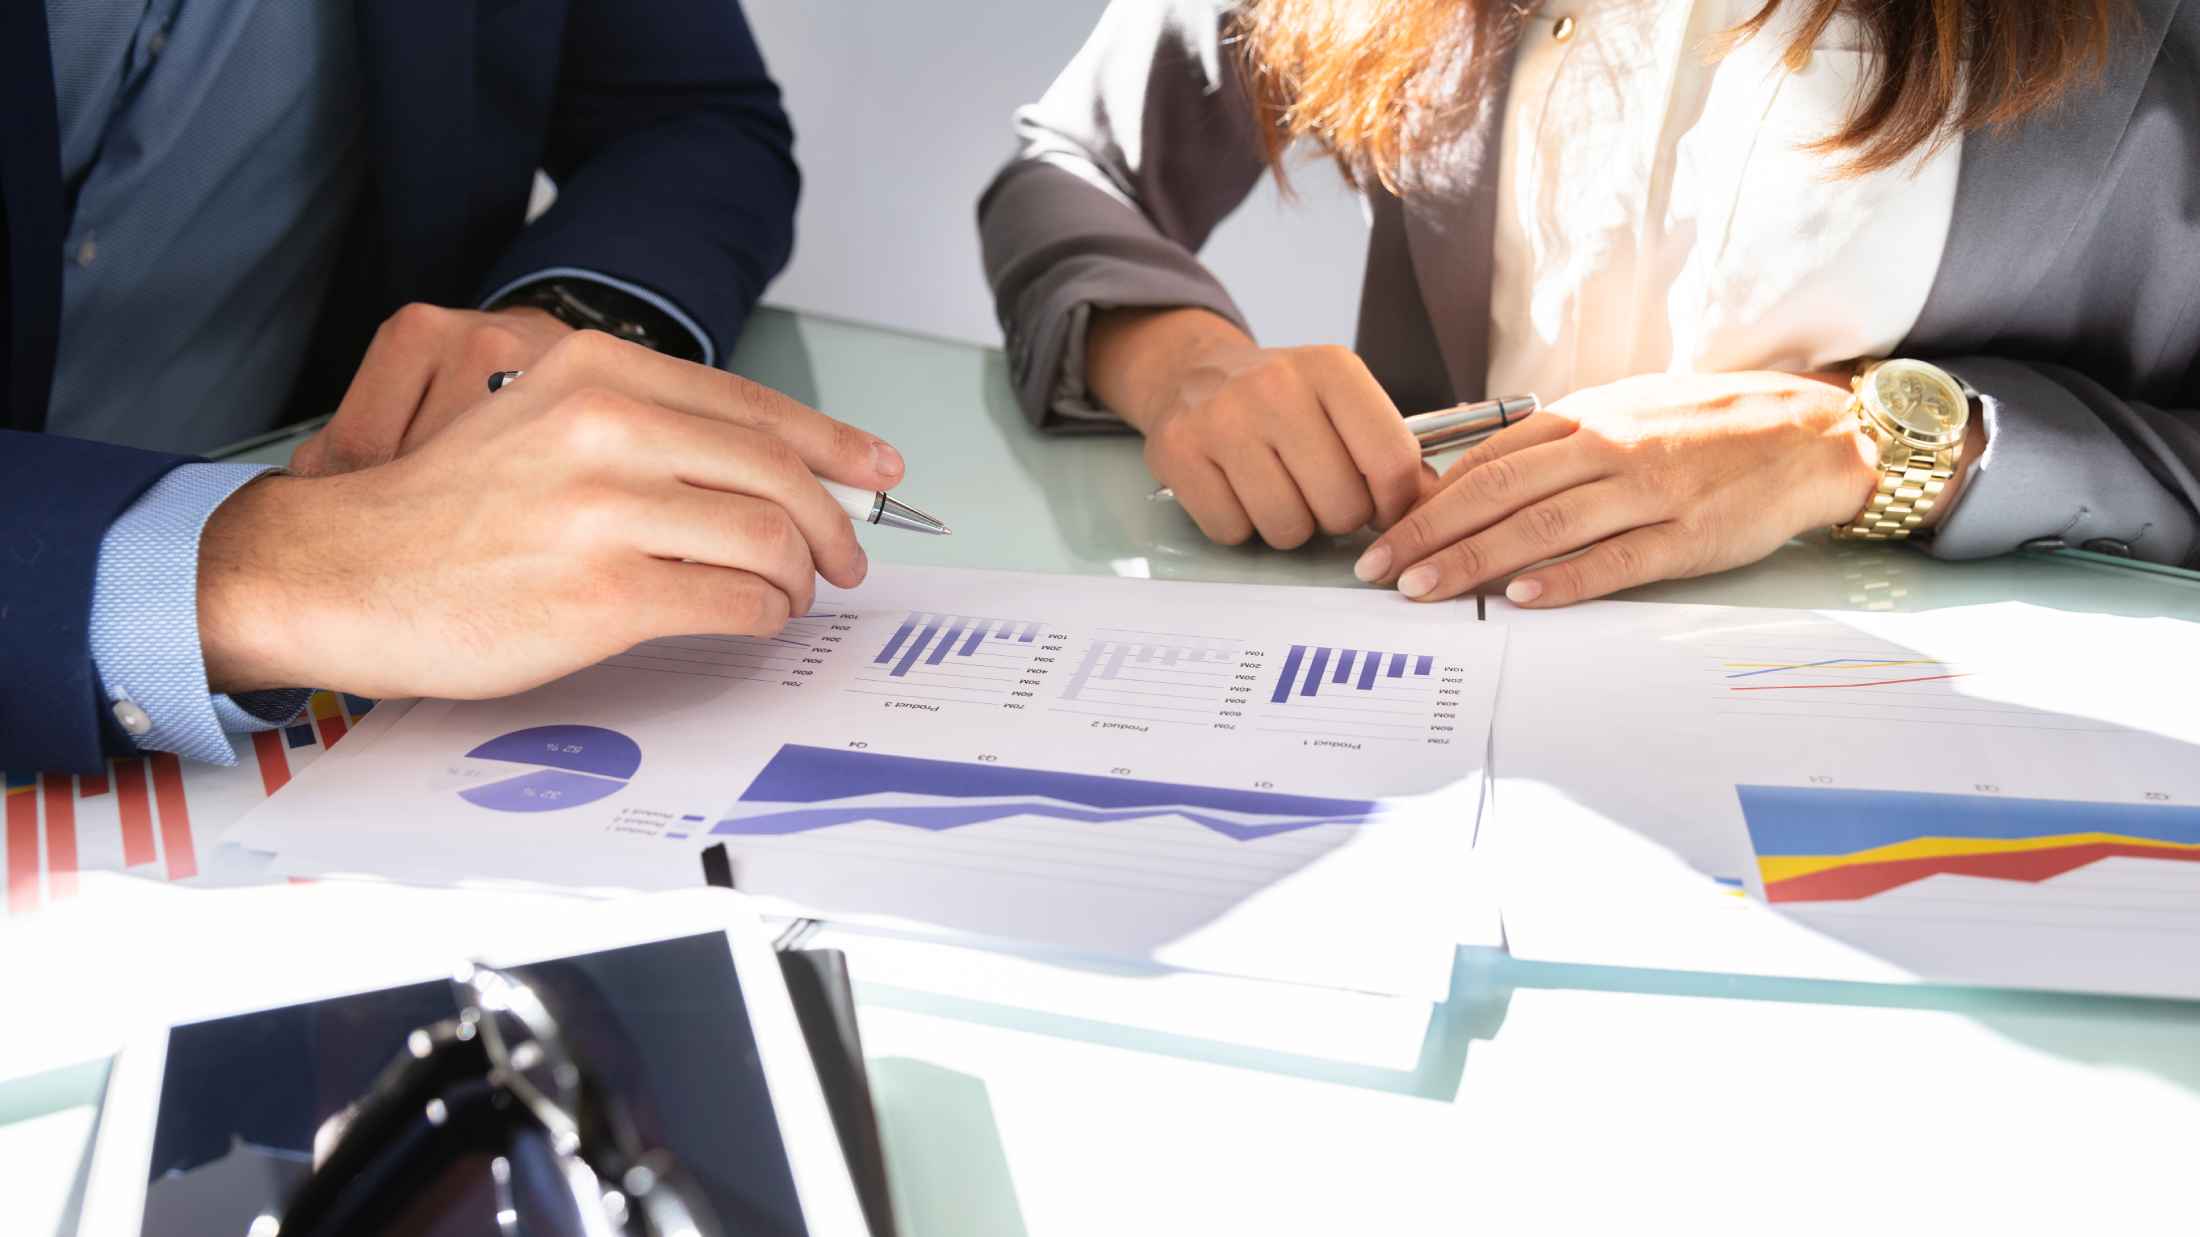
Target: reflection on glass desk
point(990, 1109)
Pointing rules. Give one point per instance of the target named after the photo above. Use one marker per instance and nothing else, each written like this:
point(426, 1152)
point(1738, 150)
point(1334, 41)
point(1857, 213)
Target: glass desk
point(1543, 1097)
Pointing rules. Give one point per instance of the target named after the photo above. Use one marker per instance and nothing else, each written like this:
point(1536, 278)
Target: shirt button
point(157, 44)
point(132, 719)
point(88, 252)
point(1563, 29)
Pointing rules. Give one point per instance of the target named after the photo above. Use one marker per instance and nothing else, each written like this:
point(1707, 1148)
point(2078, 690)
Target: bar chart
point(1308, 669)
point(1344, 695)
point(934, 659)
point(789, 659)
point(1158, 678)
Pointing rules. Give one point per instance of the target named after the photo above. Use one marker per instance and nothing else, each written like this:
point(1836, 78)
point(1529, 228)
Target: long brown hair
point(1381, 82)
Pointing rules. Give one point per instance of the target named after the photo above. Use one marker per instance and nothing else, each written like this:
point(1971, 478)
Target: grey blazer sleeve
point(1142, 145)
point(2066, 458)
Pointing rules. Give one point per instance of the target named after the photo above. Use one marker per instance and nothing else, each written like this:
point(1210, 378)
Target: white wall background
point(901, 112)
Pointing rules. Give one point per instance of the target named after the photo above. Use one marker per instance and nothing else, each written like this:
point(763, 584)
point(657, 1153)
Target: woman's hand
point(1651, 478)
point(1279, 441)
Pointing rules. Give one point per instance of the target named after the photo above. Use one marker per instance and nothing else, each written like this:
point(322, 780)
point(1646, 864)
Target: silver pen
point(863, 506)
point(1440, 431)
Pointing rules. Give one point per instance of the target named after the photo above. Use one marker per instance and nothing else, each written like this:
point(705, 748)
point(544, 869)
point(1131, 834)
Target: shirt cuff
point(670, 310)
point(144, 629)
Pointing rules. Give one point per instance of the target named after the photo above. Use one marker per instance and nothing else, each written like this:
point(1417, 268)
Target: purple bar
point(940, 650)
point(908, 659)
point(893, 646)
point(1314, 675)
point(977, 637)
point(1344, 666)
point(1368, 668)
point(1290, 674)
point(1031, 632)
point(1397, 666)
point(1421, 665)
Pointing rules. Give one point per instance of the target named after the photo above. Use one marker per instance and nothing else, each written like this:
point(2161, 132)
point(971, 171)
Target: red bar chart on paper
point(151, 815)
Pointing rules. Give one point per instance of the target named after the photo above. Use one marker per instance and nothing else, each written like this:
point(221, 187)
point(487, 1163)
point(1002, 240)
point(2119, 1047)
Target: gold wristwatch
point(1916, 414)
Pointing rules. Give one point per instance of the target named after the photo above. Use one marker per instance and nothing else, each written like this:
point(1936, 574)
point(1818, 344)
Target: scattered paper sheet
point(1999, 795)
point(1276, 782)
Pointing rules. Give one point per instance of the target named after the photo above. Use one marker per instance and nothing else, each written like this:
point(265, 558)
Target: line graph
point(1813, 673)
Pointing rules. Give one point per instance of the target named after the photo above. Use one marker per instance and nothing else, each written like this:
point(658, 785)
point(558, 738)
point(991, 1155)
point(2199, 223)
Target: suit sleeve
point(674, 162)
point(2068, 459)
point(57, 498)
point(1145, 142)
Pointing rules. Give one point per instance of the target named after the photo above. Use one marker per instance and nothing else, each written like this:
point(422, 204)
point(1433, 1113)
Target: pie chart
point(554, 767)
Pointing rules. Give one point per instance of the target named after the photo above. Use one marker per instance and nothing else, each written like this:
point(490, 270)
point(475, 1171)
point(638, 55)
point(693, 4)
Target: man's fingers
point(372, 418)
point(828, 447)
point(488, 348)
point(1272, 500)
point(672, 598)
point(1475, 500)
point(738, 531)
point(1557, 525)
point(1653, 552)
point(713, 455)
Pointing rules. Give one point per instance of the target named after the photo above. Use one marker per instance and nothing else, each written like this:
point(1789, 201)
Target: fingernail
point(1418, 581)
point(1521, 592)
point(863, 563)
point(1372, 564)
point(886, 460)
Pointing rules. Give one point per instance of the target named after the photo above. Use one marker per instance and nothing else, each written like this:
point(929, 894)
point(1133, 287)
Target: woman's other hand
point(1276, 441)
point(1649, 478)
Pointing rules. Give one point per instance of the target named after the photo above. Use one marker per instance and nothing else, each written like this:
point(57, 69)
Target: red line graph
point(1791, 687)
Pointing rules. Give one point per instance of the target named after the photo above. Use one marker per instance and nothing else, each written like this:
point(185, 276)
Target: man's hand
point(612, 497)
point(425, 366)
point(1279, 441)
point(1650, 478)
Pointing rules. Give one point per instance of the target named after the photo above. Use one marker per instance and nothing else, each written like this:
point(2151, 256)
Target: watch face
point(1922, 402)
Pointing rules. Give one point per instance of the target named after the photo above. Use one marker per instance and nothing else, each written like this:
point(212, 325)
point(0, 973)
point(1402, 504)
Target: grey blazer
point(2068, 294)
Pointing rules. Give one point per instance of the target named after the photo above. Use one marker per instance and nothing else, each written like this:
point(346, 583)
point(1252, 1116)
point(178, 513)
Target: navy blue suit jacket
point(675, 171)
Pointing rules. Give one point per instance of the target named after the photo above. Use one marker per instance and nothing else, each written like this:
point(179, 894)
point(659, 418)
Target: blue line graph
point(1318, 671)
point(807, 788)
point(930, 639)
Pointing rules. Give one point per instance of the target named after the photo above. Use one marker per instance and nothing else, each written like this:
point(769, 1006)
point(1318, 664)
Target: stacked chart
point(1825, 845)
point(810, 788)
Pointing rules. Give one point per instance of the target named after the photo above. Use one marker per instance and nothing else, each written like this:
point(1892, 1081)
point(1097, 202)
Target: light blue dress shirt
point(211, 156)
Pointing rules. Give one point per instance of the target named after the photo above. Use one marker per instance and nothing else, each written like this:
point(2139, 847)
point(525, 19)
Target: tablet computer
point(672, 1004)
